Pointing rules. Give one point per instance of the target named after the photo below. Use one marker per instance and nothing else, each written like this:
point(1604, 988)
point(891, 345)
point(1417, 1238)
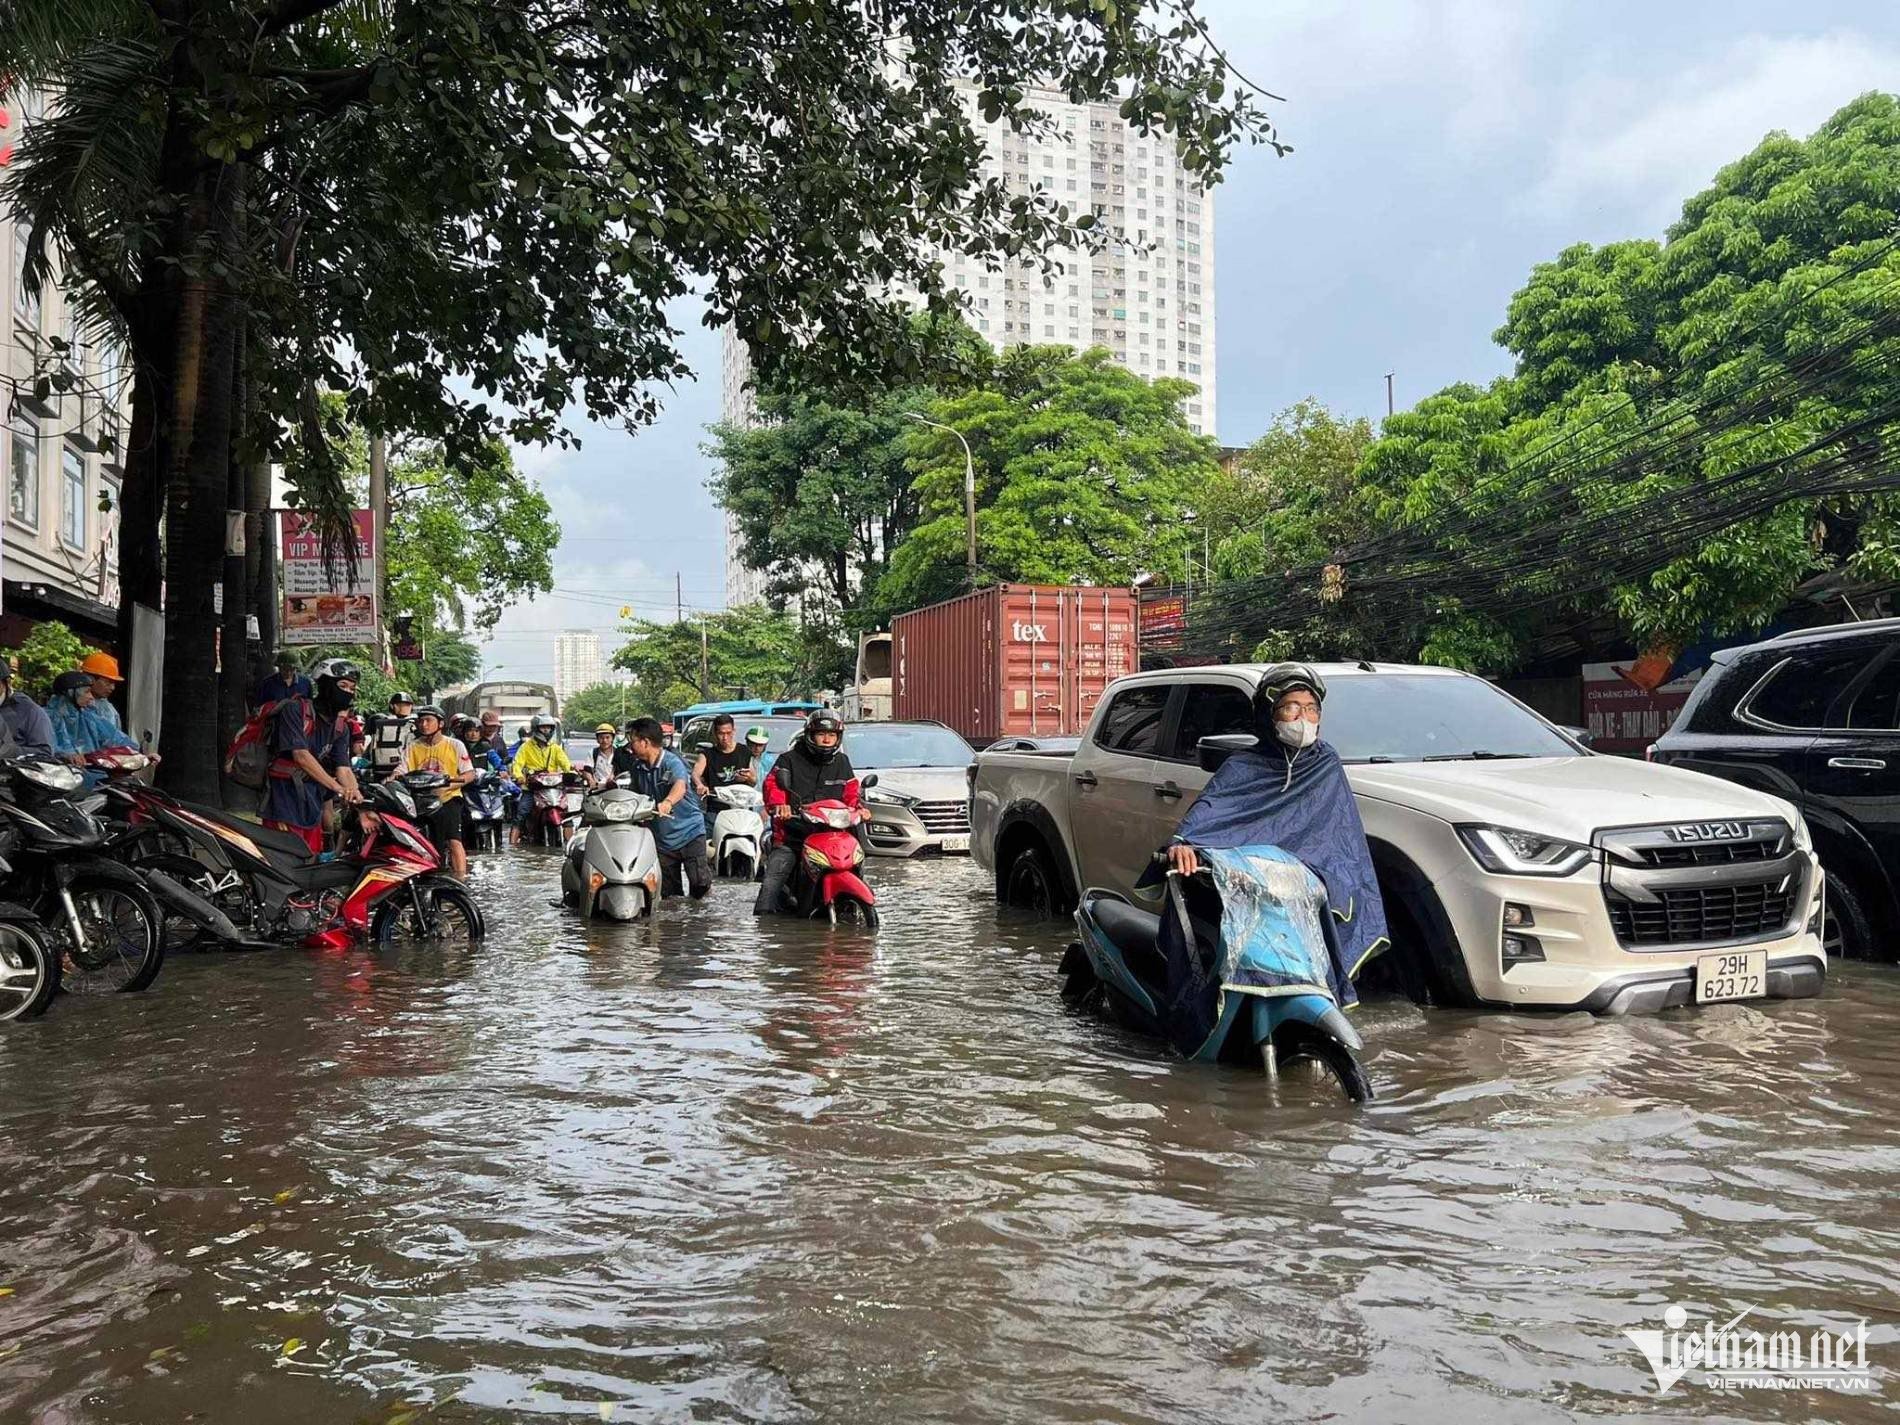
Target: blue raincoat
point(1300, 802)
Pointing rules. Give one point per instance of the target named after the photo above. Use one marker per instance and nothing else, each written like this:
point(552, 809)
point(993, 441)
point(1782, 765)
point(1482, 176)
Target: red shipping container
point(1013, 660)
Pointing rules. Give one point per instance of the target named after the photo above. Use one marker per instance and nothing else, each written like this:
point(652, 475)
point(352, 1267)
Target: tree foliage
point(1290, 498)
point(1083, 470)
point(51, 648)
point(750, 651)
point(1781, 277)
point(603, 702)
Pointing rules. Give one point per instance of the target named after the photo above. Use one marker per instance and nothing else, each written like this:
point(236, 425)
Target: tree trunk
point(235, 677)
point(195, 496)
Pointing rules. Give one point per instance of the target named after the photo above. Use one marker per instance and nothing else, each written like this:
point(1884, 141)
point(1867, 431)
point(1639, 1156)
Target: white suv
point(1517, 867)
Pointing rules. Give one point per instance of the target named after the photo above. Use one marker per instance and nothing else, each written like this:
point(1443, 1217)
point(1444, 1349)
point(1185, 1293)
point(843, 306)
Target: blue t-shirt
point(675, 832)
point(274, 689)
point(298, 800)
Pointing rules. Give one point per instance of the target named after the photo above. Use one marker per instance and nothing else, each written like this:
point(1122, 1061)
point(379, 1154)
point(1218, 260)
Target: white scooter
point(738, 832)
point(612, 866)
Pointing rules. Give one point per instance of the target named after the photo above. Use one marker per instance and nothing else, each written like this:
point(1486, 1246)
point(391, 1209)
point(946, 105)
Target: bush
point(51, 649)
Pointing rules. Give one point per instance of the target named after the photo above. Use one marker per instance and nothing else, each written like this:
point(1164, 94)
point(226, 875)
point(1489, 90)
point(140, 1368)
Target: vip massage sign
point(337, 605)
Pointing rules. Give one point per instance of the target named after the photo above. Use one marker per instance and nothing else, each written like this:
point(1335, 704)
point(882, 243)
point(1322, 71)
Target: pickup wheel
point(1846, 933)
point(1029, 882)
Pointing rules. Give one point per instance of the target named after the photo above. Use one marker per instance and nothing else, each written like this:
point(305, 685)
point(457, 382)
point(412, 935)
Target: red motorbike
point(554, 806)
point(828, 883)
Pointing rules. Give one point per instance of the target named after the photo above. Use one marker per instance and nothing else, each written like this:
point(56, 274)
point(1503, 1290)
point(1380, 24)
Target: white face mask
point(1297, 733)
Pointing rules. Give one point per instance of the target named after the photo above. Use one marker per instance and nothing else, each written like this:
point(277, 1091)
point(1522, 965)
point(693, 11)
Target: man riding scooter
point(813, 769)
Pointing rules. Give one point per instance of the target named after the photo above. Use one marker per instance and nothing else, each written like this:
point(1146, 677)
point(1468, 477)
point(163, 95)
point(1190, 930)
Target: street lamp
point(969, 491)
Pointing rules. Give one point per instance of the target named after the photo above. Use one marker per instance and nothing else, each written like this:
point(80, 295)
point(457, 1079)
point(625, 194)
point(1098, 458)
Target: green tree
point(49, 650)
point(1293, 497)
point(750, 651)
point(603, 702)
point(470, 217)
point(1083, 472)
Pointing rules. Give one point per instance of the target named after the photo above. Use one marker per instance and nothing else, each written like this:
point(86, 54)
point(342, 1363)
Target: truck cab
point(868, 699)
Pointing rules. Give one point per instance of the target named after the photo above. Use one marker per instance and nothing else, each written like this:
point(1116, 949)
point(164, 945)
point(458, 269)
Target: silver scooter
point(612, 867)
point(738, 831)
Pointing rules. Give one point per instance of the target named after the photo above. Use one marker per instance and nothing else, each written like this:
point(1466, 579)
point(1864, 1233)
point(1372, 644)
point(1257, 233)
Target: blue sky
point(1441, 148)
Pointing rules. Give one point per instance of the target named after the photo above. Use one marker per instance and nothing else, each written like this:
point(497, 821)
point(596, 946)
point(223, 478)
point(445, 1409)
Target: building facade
point(577, 661)
point(1147, 296)
point(61, 453)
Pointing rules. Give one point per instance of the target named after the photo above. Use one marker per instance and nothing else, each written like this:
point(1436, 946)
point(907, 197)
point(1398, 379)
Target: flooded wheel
point(1031, 883)
point(121, 943)
point(447, 918)
point(29, 974)
point(1845, 932)
point(869, 915)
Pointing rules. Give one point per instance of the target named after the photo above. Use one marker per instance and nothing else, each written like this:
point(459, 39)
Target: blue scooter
point(1251, 985)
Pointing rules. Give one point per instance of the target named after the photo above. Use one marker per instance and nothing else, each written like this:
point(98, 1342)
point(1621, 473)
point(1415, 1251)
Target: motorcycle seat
point(1135, 933)
point(272, 839)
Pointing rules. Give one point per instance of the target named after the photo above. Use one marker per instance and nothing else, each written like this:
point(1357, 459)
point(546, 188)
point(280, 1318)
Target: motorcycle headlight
point(1508, 852)
point(616, 811)
point(54, 776)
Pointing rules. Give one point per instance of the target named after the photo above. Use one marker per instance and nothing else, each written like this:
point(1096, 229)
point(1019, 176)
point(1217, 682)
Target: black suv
point(1814, 717)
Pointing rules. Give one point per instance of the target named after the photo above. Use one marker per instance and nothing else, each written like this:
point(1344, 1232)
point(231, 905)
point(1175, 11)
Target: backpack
point(247, 761)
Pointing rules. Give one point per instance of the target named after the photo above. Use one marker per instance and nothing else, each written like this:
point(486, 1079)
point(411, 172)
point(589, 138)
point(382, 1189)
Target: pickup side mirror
point(1580, 734)
point(867, 783)
point(1218, 748)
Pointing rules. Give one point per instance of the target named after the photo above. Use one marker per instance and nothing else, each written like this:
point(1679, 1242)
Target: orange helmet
point(102, 665)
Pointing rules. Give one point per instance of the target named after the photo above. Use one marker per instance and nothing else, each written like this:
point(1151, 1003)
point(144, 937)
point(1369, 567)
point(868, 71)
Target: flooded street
point(718, 1169)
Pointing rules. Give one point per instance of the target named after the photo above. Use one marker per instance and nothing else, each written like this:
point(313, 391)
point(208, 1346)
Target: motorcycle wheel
point(181, 931)
point(868, 913)
point(1345, 1065)
point(450, 918)
point(29, 973)
point(123, 938)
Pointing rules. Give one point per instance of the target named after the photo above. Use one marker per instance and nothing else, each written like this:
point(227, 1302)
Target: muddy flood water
point(713, 1169)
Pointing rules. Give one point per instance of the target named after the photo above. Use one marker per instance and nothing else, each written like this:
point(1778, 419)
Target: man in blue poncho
point(1290, 791)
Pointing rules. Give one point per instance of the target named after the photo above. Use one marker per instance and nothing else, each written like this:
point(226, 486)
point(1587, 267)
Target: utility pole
point(379, 523)
point(1388, 394)
point(969, 494)
point(679, 598)
point(705, 661)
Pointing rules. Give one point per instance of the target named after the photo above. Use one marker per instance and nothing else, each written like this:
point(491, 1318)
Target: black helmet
point(399, 697)
point(68, 685)
point(1284, 678)
point(824, 720)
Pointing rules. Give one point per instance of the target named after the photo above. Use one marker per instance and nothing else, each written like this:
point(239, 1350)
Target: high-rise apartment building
point(1148, 297)
point(577, 662)
point(61, 452)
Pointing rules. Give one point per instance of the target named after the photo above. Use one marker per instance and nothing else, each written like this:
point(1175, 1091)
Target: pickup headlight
point(1508, 852)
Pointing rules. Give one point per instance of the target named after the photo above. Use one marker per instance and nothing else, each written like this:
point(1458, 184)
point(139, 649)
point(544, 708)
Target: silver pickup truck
point(1517, 867)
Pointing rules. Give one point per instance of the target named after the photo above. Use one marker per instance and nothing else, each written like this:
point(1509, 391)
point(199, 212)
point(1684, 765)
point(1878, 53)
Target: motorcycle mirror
point(624, 779)
point(1215, 750)
point(868, 782)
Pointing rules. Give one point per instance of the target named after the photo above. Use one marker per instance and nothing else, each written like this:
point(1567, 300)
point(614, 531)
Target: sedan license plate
point(1737, 974)
point(957, 843)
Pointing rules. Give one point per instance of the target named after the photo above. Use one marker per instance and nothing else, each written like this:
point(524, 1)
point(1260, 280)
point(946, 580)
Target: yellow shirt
point(533, 757)
point(446, 755)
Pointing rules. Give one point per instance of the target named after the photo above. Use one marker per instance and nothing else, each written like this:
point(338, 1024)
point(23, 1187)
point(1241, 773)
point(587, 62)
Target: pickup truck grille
point(944, 818)
point(1702, 915)
point(1748, 882)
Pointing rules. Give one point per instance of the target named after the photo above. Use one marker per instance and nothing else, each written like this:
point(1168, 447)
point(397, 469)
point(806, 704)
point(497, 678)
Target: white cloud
point(1639, 149)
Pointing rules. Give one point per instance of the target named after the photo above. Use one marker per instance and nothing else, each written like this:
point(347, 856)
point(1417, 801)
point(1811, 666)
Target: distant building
point(1149, 299)
point(61, 454)
point(577, 661)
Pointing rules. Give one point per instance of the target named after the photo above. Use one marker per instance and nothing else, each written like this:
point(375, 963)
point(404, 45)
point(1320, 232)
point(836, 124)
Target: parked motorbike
point(826, 881)
point(612, 866)
point(1258, 974)
point(554, 807)
point(98, 917)
point(738, 832)
point(400, 892)
point(29, 970)
point(487, 811)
